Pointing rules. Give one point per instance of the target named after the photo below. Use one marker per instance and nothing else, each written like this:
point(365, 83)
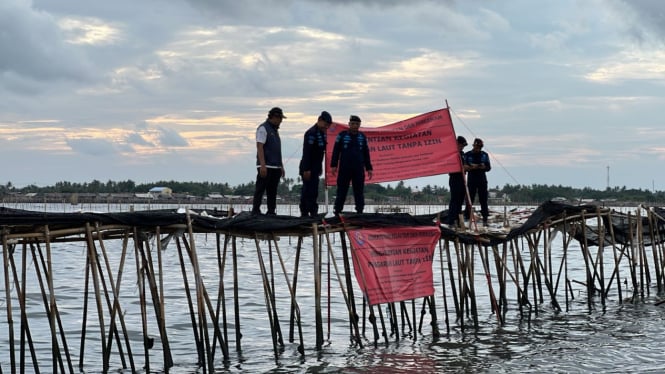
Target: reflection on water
point(620, 338)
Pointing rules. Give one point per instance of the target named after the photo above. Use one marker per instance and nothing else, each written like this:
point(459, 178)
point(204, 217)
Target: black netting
point(624, 227)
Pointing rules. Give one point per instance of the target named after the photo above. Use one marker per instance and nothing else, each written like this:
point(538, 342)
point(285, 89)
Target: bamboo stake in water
point(142, 299)
point(443, 289)
point(50, 307)
point(117, 310)
point(296, 266)
point(353, 325)
point(294, 303)
point(317, 286)
point(92, 254)
point(6, 248)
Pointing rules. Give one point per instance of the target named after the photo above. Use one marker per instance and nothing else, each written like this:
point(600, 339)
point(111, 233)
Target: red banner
point(416, 147)
point(394, 263)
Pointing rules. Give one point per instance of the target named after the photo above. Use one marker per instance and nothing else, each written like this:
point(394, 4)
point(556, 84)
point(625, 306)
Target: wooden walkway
point(521, 263)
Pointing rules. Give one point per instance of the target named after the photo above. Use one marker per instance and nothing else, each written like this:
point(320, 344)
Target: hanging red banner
point(416, 147)
point(395, 263)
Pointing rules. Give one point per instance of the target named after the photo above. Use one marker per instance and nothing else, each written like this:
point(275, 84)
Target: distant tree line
point(381, 194)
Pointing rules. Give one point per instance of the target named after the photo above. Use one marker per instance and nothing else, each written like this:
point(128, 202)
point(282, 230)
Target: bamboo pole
point(501, 278)
point(453, 286)
point(587, 264)
point(217, 334)
point(113, 331)
point(266, 293)
point(140, 269)
point(21, 289)
point(190, 305)
point(296, 266)
point(617, 259)
point(383, 324)
point(317, 286)
point(157, 300)
point(92, 254)
point(294, 302)
point(443, 289)
point(273, 301)
point(654, 249)
point(632, 259)
point(51, 309)
point(6, 248)
point(599, 257)
point(116, 310)
point(353, 322)
point(461, 276)
point(236, 305)
point(493, 302)
point(84, 318)
point(472, 283)
point(221, 298)
point(643, 261)
point(200, 289)
point(349, 287)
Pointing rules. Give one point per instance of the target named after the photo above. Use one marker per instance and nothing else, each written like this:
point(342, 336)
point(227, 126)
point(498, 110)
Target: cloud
point(136, 138)
point(648, 21)
point(33, 48)
point(92, 146)
point(91, 31)
point(171, 138)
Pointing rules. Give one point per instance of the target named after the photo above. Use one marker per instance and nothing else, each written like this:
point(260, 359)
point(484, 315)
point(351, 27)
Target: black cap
point(276, 112)
point(354, 118)
point(462, 140)
point(478, 141)
point(325, 116)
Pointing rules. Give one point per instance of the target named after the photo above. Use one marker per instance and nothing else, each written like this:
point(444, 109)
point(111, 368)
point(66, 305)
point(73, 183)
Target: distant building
point(148, 196)
point(161, 192)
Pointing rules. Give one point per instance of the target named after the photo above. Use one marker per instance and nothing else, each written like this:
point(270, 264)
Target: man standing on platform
point(313, 151)
point(270, 167)
point(351, 153)
point(477, 163)
point(456, 184)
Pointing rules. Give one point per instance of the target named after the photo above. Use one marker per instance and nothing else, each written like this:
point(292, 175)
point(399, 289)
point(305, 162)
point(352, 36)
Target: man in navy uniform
point(350, 159)
point(456, 184)
point(313, 151)
point(477, 164)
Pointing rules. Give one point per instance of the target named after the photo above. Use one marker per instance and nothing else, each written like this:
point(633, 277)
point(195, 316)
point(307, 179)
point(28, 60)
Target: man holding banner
point(351, 156)
point(457, 187)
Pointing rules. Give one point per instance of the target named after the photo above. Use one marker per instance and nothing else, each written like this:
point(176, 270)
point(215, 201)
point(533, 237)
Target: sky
point(563, 92)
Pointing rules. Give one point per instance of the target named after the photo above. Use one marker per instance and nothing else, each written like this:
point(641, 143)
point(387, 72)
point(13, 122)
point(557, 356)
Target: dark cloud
point(136, 138)
point(279, 11)
point(33, 48)
point(382, 3)
point(92, 147)
point(171, 138)
point(650, 18)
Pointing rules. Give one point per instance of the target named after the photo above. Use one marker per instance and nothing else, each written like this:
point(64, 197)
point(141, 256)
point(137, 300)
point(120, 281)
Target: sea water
point(619, 337)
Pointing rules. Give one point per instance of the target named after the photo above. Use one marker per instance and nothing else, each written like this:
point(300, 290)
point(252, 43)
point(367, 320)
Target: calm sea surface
point(622, 337)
